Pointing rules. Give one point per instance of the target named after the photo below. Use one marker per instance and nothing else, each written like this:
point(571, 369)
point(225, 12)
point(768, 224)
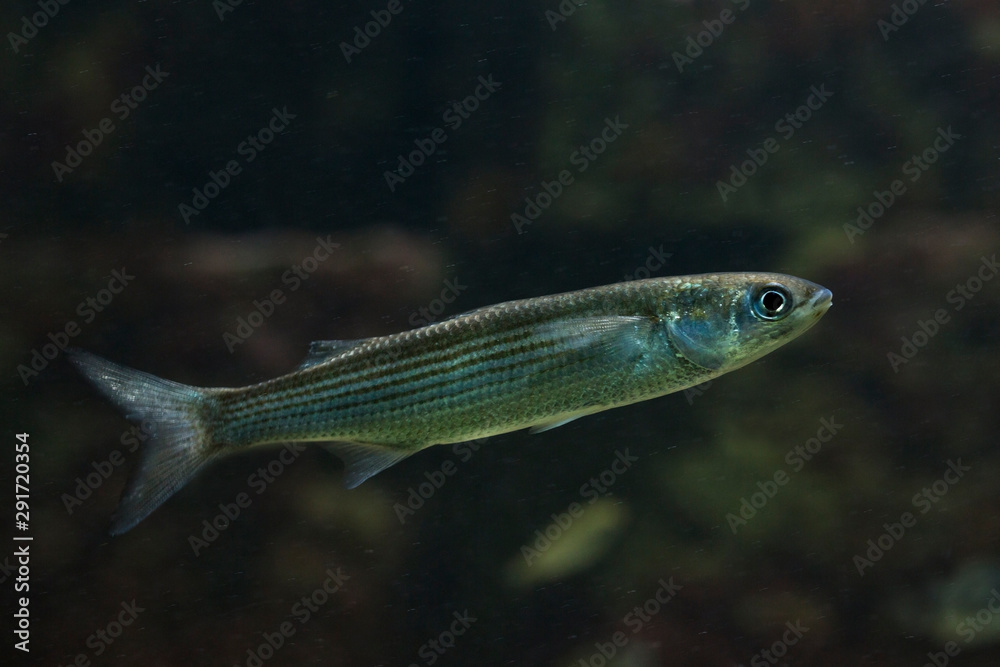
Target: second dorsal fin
point(324, 350)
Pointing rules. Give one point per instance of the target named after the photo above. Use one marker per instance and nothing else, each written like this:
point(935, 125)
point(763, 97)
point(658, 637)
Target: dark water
point(200, 189)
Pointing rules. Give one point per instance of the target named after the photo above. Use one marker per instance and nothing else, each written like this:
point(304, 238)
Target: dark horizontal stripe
point(467, 382)
point(463, 368)
point(375, 377)
point(351, 369)
point(471, 381)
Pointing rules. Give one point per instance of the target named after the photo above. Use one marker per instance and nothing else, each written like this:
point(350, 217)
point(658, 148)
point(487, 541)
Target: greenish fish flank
point(536, 363)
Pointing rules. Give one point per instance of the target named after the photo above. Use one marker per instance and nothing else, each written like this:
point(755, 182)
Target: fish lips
point(820, 301)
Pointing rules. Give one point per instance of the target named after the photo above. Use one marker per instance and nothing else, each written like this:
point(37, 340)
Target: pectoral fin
point(698, 341)
point(363, 460)
point(625, 337)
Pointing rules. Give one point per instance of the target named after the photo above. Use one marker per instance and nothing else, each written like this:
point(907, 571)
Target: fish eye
point(771, 302)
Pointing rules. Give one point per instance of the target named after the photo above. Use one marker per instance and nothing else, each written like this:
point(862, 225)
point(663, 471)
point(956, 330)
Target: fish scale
point(532, 363)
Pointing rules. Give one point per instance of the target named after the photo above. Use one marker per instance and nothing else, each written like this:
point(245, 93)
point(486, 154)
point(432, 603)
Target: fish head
point(721, 322)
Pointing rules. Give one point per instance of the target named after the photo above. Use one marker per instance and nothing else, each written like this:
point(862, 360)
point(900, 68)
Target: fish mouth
point(820, 301)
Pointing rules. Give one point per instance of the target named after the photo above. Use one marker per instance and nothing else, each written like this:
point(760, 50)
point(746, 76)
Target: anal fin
point(549, 425)
point(363, 460)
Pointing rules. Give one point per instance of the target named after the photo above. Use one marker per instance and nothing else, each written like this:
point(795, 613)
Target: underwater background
point(200, 189)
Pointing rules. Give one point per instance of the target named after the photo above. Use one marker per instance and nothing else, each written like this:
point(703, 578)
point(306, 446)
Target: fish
point(536, 363)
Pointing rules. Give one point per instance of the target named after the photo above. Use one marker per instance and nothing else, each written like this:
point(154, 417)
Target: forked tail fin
point(179, 445)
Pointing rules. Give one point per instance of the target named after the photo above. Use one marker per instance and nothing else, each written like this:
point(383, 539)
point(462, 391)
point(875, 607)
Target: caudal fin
point(179, 444)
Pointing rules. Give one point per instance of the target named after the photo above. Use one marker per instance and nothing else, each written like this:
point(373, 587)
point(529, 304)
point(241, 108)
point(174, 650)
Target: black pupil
point(773, 302)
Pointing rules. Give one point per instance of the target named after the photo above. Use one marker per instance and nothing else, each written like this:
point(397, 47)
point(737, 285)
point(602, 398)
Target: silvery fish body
point(533, 363)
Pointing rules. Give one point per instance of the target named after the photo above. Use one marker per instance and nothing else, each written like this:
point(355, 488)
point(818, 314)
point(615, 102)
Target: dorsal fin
point(324, 350)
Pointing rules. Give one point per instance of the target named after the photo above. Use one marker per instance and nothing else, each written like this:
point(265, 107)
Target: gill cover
point(700, 341)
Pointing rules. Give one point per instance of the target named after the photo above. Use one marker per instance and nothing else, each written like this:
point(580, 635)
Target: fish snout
point(820, 301)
